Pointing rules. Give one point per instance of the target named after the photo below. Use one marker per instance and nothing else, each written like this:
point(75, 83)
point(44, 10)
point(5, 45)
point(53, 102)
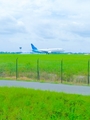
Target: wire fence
point(61, 71)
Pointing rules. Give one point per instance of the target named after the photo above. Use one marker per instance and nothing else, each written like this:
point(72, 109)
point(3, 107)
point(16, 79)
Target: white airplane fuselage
point(48, 51)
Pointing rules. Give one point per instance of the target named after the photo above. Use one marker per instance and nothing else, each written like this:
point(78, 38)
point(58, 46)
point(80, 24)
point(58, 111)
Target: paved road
point(84, 90)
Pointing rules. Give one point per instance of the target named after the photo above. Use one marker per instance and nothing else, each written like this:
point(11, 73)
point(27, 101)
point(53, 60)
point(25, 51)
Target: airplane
point(47, 51)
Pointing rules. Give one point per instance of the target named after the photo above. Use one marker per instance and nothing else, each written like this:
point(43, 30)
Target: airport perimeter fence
point(60, 71)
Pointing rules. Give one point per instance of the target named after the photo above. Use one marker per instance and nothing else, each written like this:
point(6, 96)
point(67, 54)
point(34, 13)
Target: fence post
point(16, 68)
point(61, 71)
point(38, 74)
point(88, 72)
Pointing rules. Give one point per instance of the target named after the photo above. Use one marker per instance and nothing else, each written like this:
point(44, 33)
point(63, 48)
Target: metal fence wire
point(60, 71)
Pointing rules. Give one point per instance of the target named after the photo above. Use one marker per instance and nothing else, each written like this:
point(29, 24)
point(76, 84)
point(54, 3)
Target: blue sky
point(45, 23)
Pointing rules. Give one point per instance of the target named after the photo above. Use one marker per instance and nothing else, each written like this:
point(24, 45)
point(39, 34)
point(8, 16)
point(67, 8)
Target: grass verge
point(30, 104)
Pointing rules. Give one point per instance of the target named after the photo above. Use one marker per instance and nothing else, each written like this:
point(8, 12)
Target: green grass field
point(53, 67)
point(29, 104)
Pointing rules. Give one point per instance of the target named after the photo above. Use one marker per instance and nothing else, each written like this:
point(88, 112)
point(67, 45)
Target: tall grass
point(74, 67)
point(29, 104)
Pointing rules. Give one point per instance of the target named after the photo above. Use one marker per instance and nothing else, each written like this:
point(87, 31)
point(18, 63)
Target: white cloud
point(9, 25)
point(39, 21)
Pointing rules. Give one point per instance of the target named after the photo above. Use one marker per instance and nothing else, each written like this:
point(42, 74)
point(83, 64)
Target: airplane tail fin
point(33, 47)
